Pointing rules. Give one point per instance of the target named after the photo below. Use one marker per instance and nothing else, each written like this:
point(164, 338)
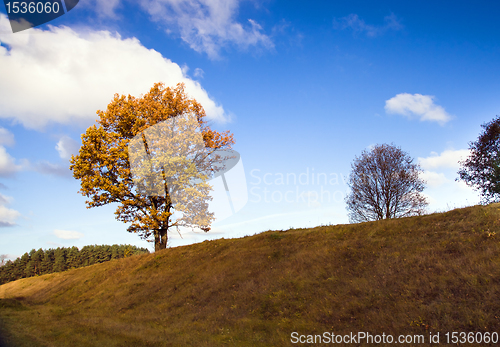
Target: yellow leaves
point(102, 164)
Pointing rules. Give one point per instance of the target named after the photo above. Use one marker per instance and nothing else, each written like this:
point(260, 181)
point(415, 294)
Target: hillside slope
point(434, 273)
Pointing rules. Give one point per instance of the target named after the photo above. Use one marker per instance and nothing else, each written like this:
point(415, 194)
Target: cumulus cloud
point(59, 75)
point(446, 193)
point(447, 159)
point(198, 72)
point(8, 164)
point(103, 8)
point(417, 105)
point(6, 137)
point(7, 216)
point(4, 199)
point(358, 25)
point(67, 147)
point(68, 234)
point(434, 179)
point(207, 25)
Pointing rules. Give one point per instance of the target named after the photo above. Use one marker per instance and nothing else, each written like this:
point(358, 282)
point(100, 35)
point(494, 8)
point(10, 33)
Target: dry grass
point(436, 273)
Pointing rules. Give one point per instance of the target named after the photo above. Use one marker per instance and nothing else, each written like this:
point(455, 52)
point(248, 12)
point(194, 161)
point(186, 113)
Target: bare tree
point(384, 184)
point(3, 258)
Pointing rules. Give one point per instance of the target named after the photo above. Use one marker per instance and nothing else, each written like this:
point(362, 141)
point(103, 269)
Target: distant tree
point(105, 254)
point(48, 261)
point(30, 269)
point(7, 272)
point(85, 256)
point(127, 252)
point(481, 169)
point(21, 265)
point(3, 259)
point(16, 271)
point(37, 259)
point(115, 252)
point(43, 262)
point(384, 184)
point(104, 169)
point(60, 260)
point(73, 258)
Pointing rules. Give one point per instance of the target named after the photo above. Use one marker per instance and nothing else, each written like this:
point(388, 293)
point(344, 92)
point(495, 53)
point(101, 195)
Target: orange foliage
point(103, 167)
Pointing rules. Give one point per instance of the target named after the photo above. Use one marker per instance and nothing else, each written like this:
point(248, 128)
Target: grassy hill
point(410, 276)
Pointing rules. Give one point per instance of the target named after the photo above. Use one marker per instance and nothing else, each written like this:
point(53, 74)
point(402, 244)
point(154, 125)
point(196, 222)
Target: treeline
point(40, 262)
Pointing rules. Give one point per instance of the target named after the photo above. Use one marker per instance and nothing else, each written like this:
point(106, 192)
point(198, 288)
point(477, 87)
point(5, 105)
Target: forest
point(40, 262)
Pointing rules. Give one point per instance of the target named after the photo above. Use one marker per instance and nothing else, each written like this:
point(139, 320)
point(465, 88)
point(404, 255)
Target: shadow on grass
point(11, 332)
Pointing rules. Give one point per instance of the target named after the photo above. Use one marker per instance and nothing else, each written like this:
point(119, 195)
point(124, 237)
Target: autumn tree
point(384, 184)
point(482, 168)
point(104, 168)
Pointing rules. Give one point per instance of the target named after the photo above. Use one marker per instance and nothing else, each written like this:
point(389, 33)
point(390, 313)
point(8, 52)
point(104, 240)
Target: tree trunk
point(160, 239)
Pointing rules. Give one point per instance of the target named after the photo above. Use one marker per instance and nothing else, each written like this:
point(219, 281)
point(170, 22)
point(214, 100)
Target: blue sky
point(303, 88)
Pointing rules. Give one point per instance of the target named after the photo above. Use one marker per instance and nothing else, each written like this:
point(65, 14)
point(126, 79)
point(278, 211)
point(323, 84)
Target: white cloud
point(68, 234)
point(440, 174)
point(59, 75)
point(66, 147)
point(357, 24)
point(198, 72)
point(447, 159)
point(7, 216)
point(103, 8)
point(417, 105)
point(6, 137)
point(207, 25)
point(434, 179)
point(8, 165)
point(4, 200)
point(451, 194)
